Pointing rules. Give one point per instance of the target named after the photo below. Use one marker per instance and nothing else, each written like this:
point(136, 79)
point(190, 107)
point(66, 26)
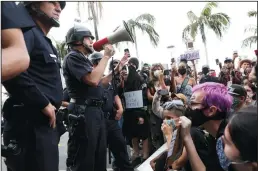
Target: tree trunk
point(206, 54)
point(94, 21)
point(135, 44)
point(96, 30)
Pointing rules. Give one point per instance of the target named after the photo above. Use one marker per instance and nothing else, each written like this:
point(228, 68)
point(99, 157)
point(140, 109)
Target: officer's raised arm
point(97, 73)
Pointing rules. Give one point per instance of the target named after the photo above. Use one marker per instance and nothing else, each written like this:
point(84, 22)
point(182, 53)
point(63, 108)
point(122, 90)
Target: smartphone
point(166, 72)
point(172, 60)
point(127, 50)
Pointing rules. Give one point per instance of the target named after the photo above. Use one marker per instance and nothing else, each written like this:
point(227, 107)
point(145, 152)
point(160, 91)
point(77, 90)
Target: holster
point(76, 121)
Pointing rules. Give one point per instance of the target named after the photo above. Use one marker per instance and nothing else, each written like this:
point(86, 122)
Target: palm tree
point(217, 22)
point(253, 29)
point(61, 49)
point(145, 23)
point(94, 13)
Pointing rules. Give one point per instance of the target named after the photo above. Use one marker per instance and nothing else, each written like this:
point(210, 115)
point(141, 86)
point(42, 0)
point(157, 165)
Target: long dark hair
point(243, 131)
point(133, 81)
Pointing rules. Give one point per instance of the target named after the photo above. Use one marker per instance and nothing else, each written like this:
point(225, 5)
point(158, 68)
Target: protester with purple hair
point(210, 103)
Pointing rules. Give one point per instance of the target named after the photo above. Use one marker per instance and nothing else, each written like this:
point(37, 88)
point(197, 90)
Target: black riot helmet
point(95, 57)
point(77, 34)
point(36, 9)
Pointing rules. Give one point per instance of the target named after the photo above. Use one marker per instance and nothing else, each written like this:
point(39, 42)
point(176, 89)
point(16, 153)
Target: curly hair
point(153, 67)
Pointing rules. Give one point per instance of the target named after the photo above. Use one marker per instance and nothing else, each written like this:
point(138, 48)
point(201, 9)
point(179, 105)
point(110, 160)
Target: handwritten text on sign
point(190, 55)
point(133, 99)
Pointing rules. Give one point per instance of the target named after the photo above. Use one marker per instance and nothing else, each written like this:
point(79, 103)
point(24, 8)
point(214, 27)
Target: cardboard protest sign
point(133, 99)
point(190, 55)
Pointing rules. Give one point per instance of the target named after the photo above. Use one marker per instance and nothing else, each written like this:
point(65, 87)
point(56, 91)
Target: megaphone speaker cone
point(120, 35)
point(127, 29)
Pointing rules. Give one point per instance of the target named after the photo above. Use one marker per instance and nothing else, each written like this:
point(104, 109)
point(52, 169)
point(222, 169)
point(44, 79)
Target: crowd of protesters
point(216, 114)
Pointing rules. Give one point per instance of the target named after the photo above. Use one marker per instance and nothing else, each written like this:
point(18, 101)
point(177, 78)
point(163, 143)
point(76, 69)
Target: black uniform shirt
point(75, 66)
point(109, 97)
point(41, 83)
point(13, 16)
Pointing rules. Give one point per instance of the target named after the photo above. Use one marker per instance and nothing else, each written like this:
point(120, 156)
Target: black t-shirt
point(75, 66)
point(109, 97)
point(138, 85)
point(208, 154)
point(201, 144)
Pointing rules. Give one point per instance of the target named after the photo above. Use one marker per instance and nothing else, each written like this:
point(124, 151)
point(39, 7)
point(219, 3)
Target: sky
point(171, 19)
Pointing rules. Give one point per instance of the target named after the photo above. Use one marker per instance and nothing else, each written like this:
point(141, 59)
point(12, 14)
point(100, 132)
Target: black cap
point(205, 66)
point(237, 90)
point(227, 59)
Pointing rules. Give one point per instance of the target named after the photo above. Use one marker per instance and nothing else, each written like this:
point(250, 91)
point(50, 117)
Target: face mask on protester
point(182, 71)
point(223, 160)
point(198, 118)
point(157, 73)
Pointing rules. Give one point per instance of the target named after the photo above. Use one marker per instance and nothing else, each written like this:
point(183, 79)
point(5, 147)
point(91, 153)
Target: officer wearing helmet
point(36, 94)
point(87, 149)
point(113, 110)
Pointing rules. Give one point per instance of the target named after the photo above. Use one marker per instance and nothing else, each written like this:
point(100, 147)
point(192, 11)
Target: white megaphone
point(120, 35)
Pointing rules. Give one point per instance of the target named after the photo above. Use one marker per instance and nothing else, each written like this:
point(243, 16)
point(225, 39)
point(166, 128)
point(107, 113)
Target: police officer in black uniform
point(15, 57)
point(87, 140)
point(113, 110)
point(35, 95)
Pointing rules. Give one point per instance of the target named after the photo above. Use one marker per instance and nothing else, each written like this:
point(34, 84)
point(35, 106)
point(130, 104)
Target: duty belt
point(88, 102)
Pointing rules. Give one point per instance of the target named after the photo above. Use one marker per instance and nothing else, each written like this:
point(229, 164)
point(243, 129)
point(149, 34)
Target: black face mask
point(198, 118)
point(182, 71)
